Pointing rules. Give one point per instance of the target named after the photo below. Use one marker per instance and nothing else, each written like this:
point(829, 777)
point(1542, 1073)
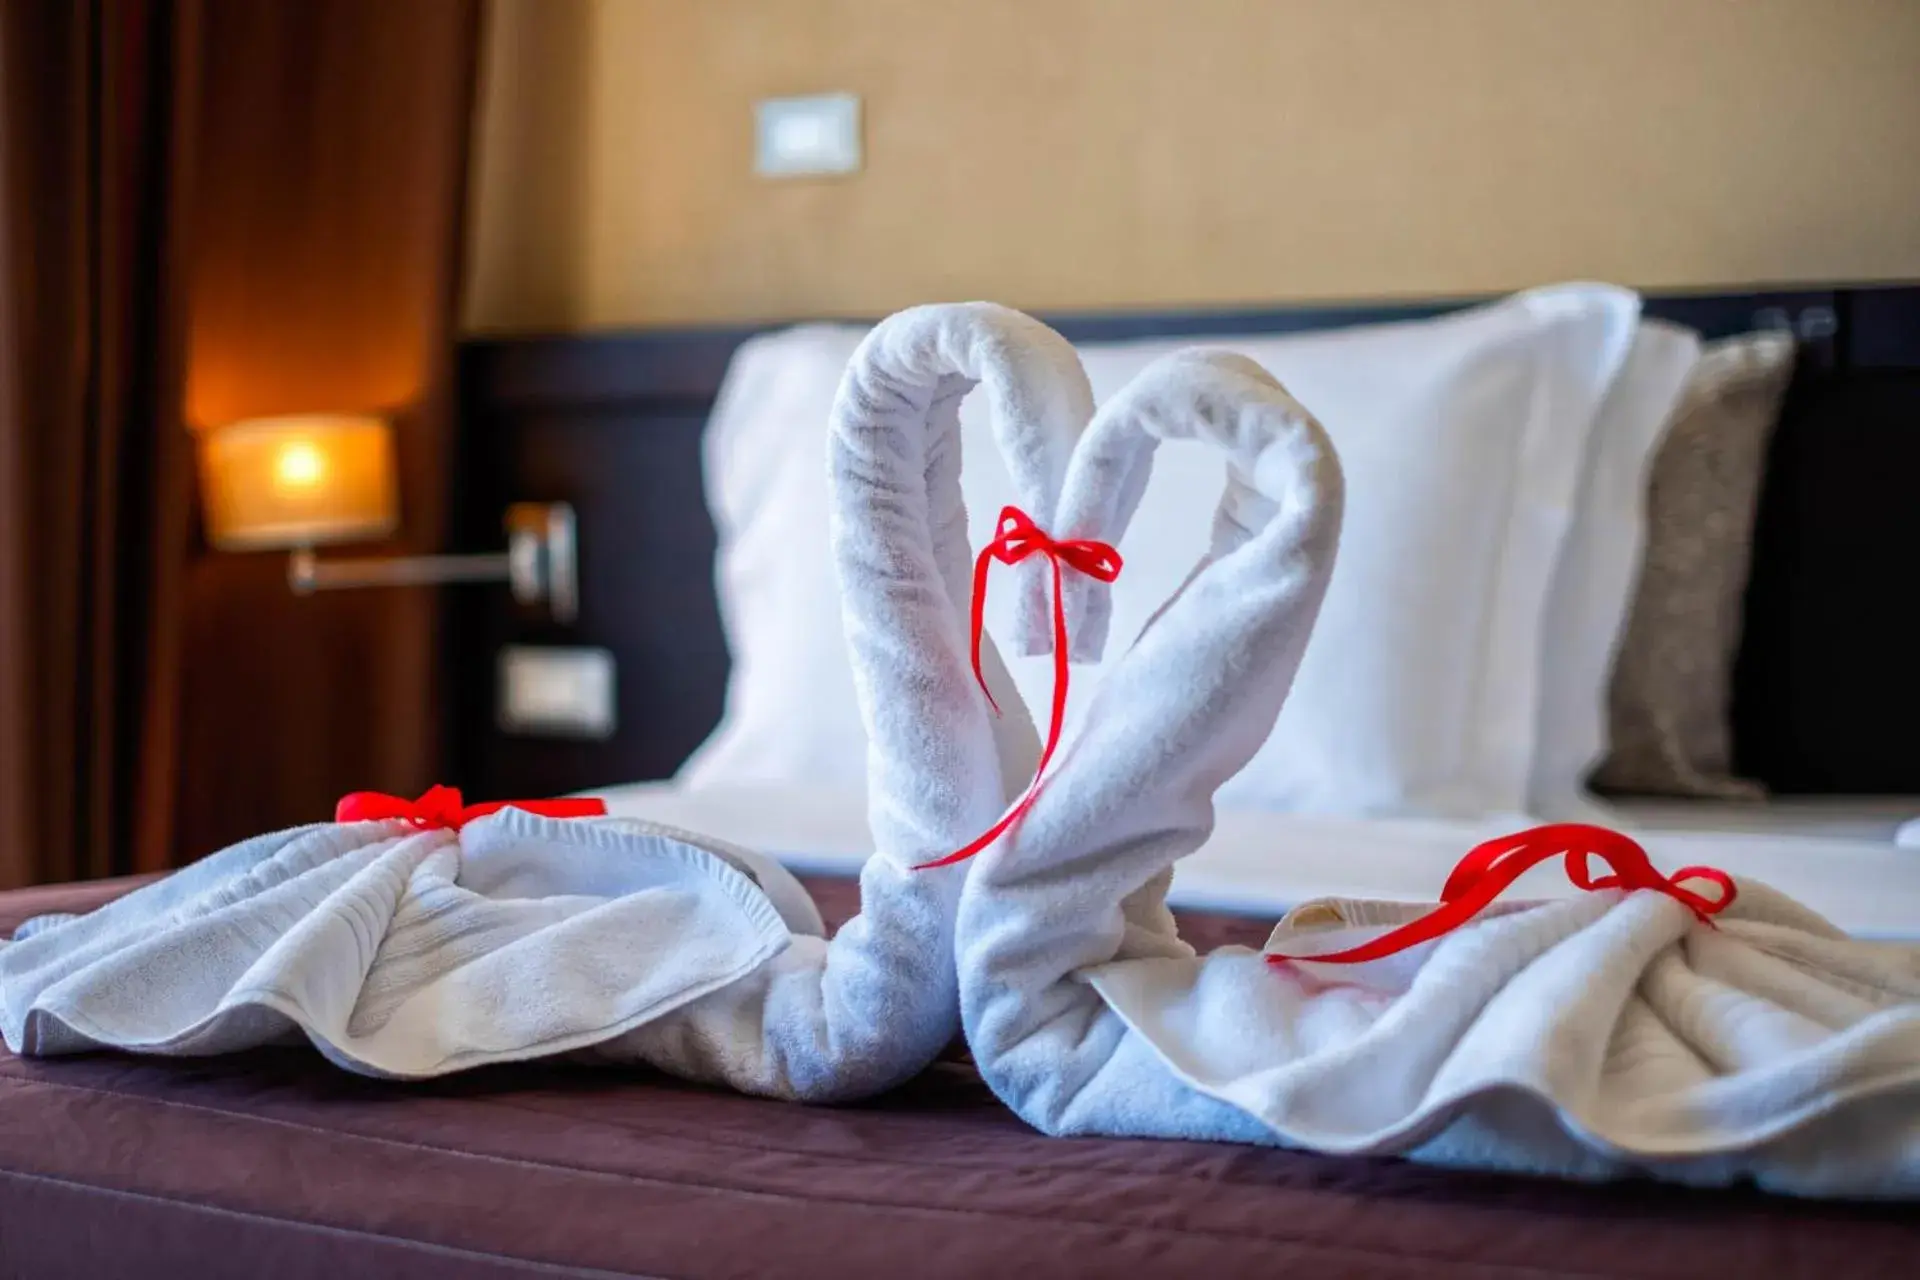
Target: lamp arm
point(539, 562)
point(307, 573)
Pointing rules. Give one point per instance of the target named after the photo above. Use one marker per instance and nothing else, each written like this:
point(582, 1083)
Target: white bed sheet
point(1842, 863)
point(1877, 818)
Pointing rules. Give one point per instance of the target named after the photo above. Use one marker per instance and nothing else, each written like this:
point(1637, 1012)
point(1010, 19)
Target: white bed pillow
point(790, 715)
point(1463, 439)
point(1599, 566)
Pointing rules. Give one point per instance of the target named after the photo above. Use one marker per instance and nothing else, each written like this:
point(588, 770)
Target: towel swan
point(874, 1006)
point(411, 948)
point(1599, 1036)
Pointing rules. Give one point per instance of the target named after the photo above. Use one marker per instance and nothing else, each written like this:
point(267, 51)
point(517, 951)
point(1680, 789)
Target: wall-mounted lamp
point(295, 483)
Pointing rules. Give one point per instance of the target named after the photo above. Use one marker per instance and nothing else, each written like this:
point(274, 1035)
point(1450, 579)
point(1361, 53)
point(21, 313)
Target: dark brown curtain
point(94, 465)
point(212, 209)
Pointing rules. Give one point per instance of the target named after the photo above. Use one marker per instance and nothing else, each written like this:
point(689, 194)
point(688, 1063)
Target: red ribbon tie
point(1016, 538)
point(1490, 868)
point(441, 808)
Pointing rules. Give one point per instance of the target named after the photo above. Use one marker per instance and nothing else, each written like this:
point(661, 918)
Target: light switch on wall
point(794, 137)
point(550, 691)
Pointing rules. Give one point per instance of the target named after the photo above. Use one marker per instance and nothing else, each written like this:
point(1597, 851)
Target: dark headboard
point(1828, 684)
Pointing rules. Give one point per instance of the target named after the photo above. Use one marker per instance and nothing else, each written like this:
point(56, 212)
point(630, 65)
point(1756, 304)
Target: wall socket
point(797, 137)
point(549, 691)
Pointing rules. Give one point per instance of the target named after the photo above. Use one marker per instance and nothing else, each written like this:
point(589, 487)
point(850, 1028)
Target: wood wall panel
point(328, 178)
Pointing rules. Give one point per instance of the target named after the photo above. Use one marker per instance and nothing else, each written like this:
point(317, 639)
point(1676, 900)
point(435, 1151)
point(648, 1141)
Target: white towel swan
point(1593, 1037)
point(406, 952)
point(874, 1006)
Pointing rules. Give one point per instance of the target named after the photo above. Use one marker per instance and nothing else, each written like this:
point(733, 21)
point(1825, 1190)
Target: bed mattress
point(278, 1164)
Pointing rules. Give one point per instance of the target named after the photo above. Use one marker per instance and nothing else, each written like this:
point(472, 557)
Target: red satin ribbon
point(1018, 537)
point(1489, 868)
point(441, 807)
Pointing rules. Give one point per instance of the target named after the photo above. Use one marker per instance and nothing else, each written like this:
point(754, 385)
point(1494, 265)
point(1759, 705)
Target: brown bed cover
point(276, 1165)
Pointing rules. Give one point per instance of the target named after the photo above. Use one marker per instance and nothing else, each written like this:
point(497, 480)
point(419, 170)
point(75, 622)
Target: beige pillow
point(1672, 678)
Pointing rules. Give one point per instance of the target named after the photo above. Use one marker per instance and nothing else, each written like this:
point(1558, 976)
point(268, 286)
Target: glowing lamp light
point(298, 466)
point(299, 481)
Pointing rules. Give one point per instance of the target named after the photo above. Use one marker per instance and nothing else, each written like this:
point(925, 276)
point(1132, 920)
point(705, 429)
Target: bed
point(1823, 685)
point(275, 1162)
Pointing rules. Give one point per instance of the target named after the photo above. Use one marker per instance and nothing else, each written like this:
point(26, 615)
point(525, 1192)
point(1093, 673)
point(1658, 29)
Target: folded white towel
point(1592, 1037)
point(409, 953)
point(399, 952)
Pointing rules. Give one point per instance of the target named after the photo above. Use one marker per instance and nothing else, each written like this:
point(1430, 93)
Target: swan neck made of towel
point(1081, 882)
point(1199, 691)
point(940, 765)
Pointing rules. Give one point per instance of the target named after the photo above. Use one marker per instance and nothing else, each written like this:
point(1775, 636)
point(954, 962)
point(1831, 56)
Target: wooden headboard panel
point(1828, 683)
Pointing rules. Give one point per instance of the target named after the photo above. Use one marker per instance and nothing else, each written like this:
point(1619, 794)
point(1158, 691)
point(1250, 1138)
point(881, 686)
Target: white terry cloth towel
point(410, 953)
point(1611, 1034)
point(881, 1001)
point(404, 952)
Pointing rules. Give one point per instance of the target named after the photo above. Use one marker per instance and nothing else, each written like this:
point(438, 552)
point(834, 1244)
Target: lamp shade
point(298, 481)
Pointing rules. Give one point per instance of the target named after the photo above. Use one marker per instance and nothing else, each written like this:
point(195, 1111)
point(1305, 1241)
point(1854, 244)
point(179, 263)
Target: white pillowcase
point(790, 715)
point(1463, 439)
point(1599, 566)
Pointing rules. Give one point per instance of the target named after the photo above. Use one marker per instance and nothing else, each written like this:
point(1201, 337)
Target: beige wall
point(1125, 153)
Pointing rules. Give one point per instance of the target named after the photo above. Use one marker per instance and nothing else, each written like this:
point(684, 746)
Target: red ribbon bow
point(1489, 868)
point(441, 807)
point(1018, 537)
